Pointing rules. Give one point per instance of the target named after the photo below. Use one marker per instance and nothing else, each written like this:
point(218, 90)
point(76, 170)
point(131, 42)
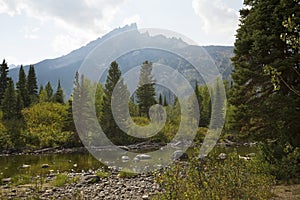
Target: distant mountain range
point(65, 67)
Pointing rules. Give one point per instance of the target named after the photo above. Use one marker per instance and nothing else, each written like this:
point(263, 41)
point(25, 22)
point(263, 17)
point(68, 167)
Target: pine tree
point(262, 110)
point(3, 79)
point(199, 98)
point(49, 92)
point(22, 88)
point(146, 92)
point(205, 107)
point(9, 101)
point(59, 94)
point(160, 100)
point(165, 103)
point(218, 105)
point(32, 85)
point(108, 124)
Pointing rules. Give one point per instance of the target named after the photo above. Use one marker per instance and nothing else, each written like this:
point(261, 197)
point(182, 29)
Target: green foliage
point(102, 174)
point(44, 124)
point(22, 87)
point(22, 179)
point(49, 92)
point(145, 92)
point(283, 160)
point(59, 94)
point(107, 120)
point(265, 92)
point(9, 101)
point(60, 180)
point(3, 79)
point(126, 174)
point(32, 85)
point(205, 106)
point(5, 140)
point(211, 178)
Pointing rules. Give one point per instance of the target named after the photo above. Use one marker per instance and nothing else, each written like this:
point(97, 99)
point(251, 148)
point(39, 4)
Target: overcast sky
point(34, 30)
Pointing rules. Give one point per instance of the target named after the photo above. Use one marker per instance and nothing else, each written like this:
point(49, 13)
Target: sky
point(34, 30)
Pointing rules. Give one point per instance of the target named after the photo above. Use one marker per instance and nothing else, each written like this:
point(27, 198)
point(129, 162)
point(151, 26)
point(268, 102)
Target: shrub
point(211, 178)
point(283, 161)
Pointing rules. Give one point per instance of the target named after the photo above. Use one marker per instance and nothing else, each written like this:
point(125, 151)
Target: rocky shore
point(88, 186)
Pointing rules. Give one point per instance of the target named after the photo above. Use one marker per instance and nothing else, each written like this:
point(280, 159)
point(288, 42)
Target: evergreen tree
point(19, 105)
point(205, 107)
point(59, 94)
point(160, 100)
point(9, 101)
point(108, 124)
point(41, 89)
point(199, 98)
point(22, 88)
point(262, 111)
point(49, 92)
point(165, 103)
point(3, 79)
point(146, 92)
point(32, 85)
point(218, 105)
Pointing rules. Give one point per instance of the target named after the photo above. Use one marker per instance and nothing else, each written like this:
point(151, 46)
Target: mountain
point(165, 53)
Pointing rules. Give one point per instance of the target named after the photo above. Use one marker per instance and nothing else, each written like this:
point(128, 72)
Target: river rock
point(6, 180)
point(44, 166)
point(125, 158)
point(88, 179)
point(179, 155)
point(143, 157)
point(24, 166)
point(222, 156)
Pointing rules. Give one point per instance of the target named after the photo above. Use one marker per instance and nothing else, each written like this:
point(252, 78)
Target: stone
point(143, 157)
point(179, 155)
point(44, 166)
point(6, 180)
point(90, 179)
point(222, 156)
point(24, 166)
point(125, 158)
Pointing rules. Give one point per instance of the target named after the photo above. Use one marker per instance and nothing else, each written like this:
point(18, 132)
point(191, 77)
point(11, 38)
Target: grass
point(102, 174)
point(22, 179)
point(60, 180)
point(123, 174)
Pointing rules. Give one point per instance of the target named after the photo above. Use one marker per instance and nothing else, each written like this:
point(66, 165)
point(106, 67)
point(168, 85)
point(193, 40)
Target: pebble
point(140, 187)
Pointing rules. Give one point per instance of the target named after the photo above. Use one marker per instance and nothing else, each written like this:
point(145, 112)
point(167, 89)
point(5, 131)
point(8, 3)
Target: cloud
point(30, 33)
point(92, 15)
point(218, 18)
point(133, 19)
point(79, 20)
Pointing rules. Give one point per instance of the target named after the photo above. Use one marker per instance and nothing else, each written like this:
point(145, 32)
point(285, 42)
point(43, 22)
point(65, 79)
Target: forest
point(262, 107)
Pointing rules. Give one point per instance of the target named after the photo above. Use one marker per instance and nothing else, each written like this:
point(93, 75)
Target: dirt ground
point(288, 192)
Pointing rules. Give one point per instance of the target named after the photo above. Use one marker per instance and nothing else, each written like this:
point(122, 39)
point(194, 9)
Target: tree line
point(39, 117)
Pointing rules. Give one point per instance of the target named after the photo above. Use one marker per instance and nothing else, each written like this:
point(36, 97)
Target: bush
point(283, 161)
point(211, 178)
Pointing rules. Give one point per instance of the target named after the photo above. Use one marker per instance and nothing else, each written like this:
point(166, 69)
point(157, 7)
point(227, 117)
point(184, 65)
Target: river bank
point(87, 186)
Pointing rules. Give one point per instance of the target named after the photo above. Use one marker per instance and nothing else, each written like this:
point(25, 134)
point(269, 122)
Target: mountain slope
point(65, 67)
